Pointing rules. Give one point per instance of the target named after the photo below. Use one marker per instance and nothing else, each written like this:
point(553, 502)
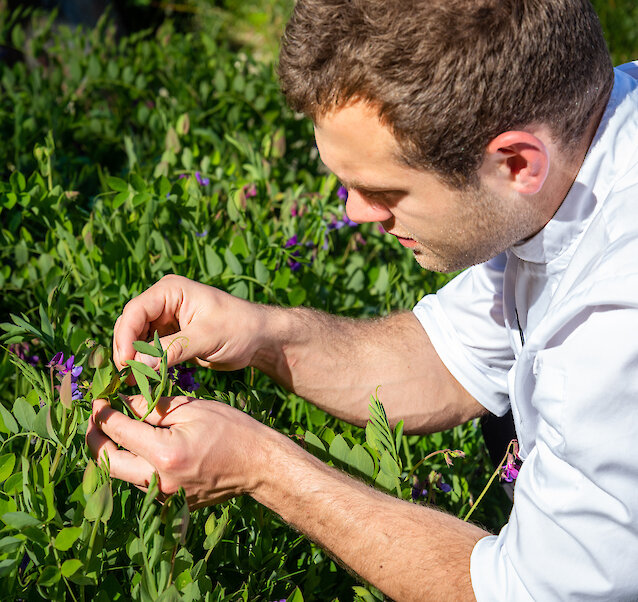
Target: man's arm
point(214, 451)
point(409, 552)
point(336, 363)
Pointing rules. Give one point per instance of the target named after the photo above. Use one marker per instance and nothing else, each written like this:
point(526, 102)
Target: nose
point(362, 210)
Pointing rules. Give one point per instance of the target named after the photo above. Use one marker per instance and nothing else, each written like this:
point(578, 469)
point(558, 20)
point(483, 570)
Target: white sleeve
point(464, 321)
point(573, 531)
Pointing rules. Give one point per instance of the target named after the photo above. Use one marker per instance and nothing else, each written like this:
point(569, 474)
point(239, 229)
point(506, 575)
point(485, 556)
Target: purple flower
point(201, 181)
point(342, 193)
point(291, 242)
point(294, 266)
point(201, 234)
point(509, 472)
point(184, 377)
point(57, 362)
point(22, 351)
point(250, 190)
point(418, 491)
point(444, 486)
point(336, 224)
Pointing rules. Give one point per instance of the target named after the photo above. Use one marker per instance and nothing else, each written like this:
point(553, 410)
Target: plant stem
point(480, 497)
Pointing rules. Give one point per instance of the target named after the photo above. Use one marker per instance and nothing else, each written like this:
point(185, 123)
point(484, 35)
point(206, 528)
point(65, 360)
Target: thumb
point(182, 346)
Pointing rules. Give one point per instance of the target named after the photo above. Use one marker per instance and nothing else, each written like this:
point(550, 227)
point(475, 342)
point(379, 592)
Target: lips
point(409, 243)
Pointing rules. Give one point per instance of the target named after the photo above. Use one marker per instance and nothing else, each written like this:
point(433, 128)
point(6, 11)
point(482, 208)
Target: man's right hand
point(195, 322)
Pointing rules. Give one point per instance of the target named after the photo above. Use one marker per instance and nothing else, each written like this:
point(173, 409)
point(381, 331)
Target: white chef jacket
point(572, 386)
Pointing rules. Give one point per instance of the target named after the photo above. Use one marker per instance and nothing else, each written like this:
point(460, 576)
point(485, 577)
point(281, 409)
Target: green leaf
point(7, 464)
point(24, 413)
point(90, 478)
point(69, 567)
point(169, 595)
point(101, 380)
point(13, 484)
point(40, 424)
point(7, 565)
point(157, 343)
point(386, 481)
point(144, 369)
point(339, 449)
point(66, 538)
point(10, 544)
point(314, 444)
point(100, 505)
point(214, 265)
point(49, 576)
point(19, 520)
point(398, 434)
point(296, 596)
point(261, 272)
point(297, 296)
point(9, 421)
point(142, 383)
point(117, 184)
point(232, 262)
point(388, 465)
point(214, 537)
point(360, 460)
point(146, 348)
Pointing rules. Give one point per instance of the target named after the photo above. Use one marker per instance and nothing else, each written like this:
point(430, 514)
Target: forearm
point(337, 363)
point(408, 551)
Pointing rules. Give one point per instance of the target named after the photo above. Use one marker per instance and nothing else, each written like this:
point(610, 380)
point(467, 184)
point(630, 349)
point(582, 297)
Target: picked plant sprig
point(143, 373)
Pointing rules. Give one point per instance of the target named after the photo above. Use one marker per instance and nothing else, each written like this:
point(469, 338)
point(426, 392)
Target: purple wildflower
point(22, 351)
point(293, 211)
point(418, 490)
point(201, 234)
point(250, 190)
point(337, 224)
point(184, 377)
point(201, 181)
point(444, 486)
point(57, 362)
point(509, 473)
point(291, 242)
point(294, 266)
point(342, 193)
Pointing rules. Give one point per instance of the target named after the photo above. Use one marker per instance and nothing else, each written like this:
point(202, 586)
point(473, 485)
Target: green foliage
point(128, 158)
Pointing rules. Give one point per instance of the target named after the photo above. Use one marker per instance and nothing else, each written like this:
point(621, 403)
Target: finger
point(164, 412)
point(122, 464)
point(136, 318)
point(135, 435)
point(183, 346)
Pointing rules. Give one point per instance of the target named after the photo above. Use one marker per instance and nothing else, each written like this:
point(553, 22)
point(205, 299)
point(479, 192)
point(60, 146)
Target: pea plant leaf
point(146, 348)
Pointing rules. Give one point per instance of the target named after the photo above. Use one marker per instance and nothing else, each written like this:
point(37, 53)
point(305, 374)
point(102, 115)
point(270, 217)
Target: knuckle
point(168, 460)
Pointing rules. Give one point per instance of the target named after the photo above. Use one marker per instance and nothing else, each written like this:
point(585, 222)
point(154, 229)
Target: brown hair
point(449, 75)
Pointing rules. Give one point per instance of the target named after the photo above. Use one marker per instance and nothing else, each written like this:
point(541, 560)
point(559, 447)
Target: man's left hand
point(211, 449)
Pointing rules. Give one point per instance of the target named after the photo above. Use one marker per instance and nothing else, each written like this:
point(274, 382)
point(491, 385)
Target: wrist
point(272, 327)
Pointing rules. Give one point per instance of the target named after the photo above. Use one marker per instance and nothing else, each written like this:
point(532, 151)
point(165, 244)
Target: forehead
point(358, 148)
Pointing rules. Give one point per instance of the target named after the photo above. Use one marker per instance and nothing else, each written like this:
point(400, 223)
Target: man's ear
point(519, 160)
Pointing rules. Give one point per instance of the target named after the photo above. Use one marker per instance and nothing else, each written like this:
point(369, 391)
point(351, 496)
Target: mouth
point(408, 243)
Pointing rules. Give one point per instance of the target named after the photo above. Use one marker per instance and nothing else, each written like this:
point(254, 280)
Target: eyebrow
point(357, 185)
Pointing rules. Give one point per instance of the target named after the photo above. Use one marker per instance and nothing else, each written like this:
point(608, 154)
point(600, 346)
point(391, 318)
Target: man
point(479, 133)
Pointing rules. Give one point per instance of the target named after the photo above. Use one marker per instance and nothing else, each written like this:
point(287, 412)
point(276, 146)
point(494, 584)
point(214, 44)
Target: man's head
point(448, 76)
